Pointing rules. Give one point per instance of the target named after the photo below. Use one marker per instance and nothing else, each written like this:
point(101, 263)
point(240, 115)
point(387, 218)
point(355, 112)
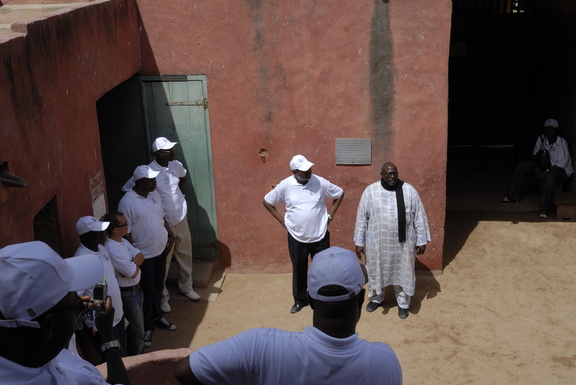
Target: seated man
point(558, 170)
point(38, 311)
point(329, 352)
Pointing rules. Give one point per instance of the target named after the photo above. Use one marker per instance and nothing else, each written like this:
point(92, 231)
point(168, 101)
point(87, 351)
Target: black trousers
point(299, 256)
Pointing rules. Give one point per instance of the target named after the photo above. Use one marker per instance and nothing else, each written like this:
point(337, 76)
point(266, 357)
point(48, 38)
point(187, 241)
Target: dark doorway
point(512, 66)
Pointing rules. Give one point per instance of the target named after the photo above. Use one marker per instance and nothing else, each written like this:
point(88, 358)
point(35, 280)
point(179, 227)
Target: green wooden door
point(176, 107)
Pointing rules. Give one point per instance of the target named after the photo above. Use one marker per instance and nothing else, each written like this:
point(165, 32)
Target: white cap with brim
point(339, 267)
point(88, 223)
point(144, 172)
point(162, 143)
point(299, 162)
point(34, 278)
point(551, 123)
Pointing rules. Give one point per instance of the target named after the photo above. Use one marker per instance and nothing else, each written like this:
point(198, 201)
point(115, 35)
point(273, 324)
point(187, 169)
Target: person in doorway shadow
point(551, 165)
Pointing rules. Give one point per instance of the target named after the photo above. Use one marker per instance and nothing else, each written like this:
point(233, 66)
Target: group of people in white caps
point(44, 298)
point(155, 210)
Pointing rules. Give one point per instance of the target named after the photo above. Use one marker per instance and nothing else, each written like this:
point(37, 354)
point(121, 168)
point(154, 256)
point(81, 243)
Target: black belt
point(130, 288)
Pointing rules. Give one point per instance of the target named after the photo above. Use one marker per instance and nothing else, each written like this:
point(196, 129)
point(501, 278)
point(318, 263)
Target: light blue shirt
point(274, 356)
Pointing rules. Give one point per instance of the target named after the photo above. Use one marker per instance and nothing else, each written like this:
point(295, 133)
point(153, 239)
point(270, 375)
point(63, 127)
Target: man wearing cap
point(149, 232)
point(92, 238)
point(391, 229)
point(306, 219)
point(170, 183)
point(126, 260)
point(38, 311)
point(559, 169)
point(329, 352)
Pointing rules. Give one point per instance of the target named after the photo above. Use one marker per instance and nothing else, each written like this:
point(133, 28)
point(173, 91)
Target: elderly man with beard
point(391, 228)
point(306, 219)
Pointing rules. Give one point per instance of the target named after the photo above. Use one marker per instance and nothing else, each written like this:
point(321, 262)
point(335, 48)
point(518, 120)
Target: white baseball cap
point(34, 278)
point(161, 143)
point(335, 266)
point(144, 172)
point(299, 162)
point(88, 223)
point(551, 123)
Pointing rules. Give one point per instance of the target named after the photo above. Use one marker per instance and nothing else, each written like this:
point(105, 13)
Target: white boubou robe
point(389, 262)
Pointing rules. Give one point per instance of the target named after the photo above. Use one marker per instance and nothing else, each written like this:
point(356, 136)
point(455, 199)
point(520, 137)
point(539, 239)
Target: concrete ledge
point(565, 205)
point(151, 368)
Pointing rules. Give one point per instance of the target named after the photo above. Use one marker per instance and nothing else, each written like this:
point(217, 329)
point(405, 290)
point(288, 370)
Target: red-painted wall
point(291, 77)
point(288, 77)
point(52, 71)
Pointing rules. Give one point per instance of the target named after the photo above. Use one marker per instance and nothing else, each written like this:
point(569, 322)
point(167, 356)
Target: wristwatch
point(110, 344)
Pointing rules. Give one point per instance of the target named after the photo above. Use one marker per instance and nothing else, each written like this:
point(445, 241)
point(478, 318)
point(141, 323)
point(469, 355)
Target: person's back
point(330, 352)
point(274, 356)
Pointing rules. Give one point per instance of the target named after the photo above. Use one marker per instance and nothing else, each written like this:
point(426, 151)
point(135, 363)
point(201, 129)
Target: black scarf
point(400, 206)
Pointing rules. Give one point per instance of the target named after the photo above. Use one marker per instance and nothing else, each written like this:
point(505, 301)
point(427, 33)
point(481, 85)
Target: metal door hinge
point(198, 103)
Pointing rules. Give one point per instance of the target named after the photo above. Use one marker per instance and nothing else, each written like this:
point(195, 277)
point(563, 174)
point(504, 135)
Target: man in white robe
point(388, 242)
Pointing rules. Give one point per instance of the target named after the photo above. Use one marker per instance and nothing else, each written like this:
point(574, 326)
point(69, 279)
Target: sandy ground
point(503, 312)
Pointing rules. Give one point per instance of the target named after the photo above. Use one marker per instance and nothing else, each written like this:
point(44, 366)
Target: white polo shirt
point(274, 356)
point(122, 254)
point(306, 215)
point(145, 218)
point(167, 185)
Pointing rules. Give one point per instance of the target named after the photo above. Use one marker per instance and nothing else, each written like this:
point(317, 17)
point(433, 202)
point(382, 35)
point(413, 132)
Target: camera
point(100, 294)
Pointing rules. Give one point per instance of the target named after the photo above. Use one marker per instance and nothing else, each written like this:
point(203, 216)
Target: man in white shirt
point(170, 183)
point(149, 232)
point(329, 352)
point(558, 169)
point(38, 311)
point(92, 237)
point(306, 219)
point(126, 260)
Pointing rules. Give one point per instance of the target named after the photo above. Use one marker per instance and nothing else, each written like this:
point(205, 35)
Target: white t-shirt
point(306, 215)
point(273, 356)
point(82, 371)
point(13, 374)
point(113, 289)
point(167, 185)
point(122, 254)
point(559, 154)
point(145, 218)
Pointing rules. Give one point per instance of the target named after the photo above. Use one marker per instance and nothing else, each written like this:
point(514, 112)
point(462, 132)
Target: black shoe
point(372, 306)
point(163, 323)
point(296, 308)
point(403, 313)
point(147, 338)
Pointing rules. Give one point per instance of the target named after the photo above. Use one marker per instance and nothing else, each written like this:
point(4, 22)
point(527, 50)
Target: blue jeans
point(132, 300)
point(120, 334)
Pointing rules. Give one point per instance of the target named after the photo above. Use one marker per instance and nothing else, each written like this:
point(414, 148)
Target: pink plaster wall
point(291, 77)
point(52, 71)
